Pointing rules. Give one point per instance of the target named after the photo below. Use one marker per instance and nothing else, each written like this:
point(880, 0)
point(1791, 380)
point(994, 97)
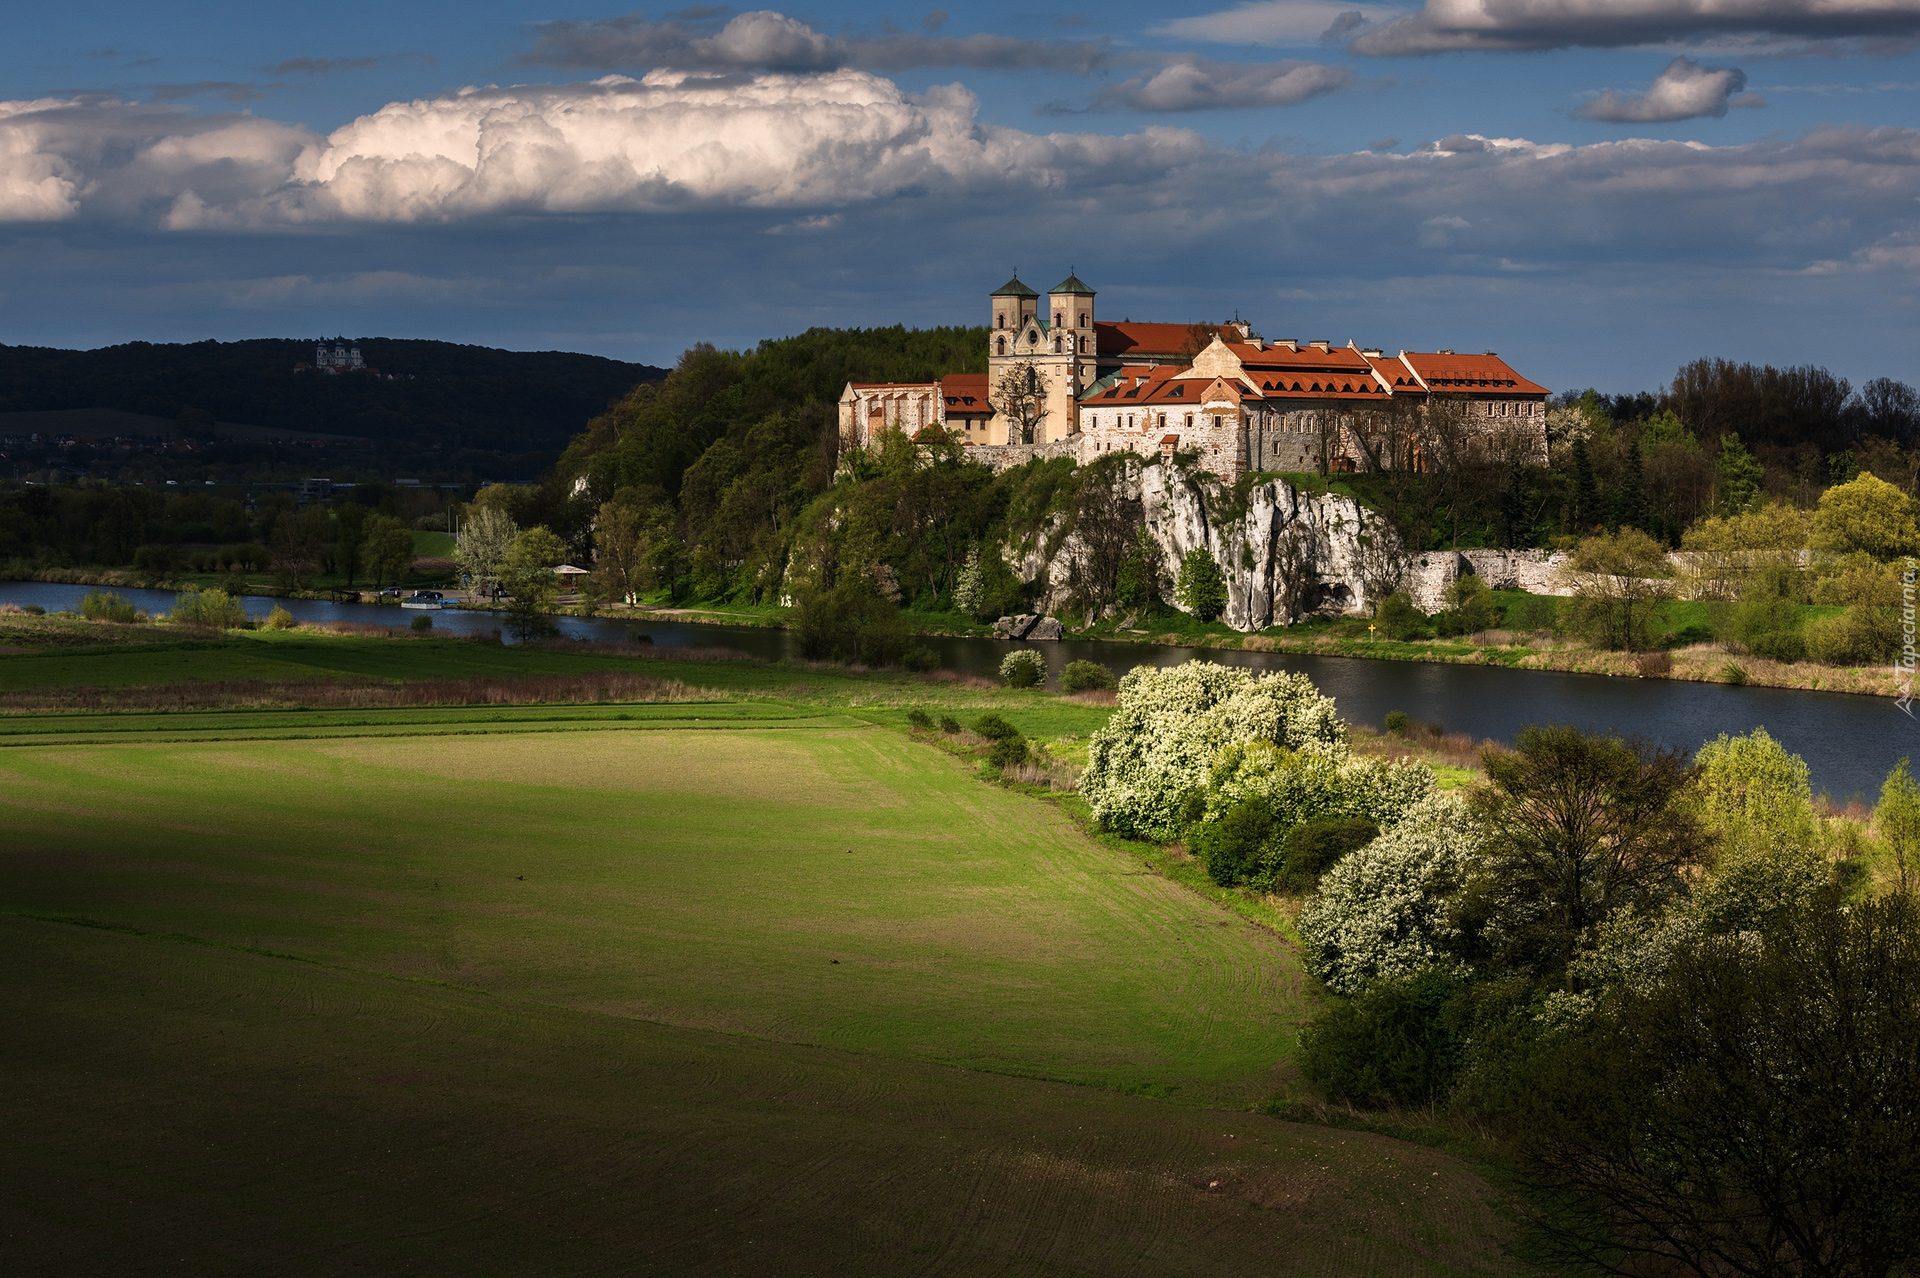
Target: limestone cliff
point(1284, 553)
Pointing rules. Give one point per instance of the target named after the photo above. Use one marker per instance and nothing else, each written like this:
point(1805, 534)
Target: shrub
point(156, 563)
point(920, 659)
point(1397, 722)
point(1399, 619)
point(993, 727)
point(209, 608)
point(1654, 665)
point(1857, 637)
point(1023, 668)
point(1201, 589)
point(1309, 850)
point(423, 623)
point(280, 619)
point(1533, 612)
point(106, 605)
point(850, 623)
point(1082, 676)
point(1381, 911)
point(1469, 609)
point(1008, 751)
point(1398, 1043)
point(919, 718)
point(1734, 673)
point(1233, 847)
point(949, 724)
point(1768, 627)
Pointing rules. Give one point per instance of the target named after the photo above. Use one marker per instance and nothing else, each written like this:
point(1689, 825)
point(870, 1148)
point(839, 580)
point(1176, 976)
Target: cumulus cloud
point(767, 41)
point(1281, 22)
point(833, 156)
point(1684, 91)
point(1443, 26)
point(1194, 84)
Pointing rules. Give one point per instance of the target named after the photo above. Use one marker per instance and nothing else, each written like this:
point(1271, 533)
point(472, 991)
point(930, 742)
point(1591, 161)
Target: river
point(1849, 742)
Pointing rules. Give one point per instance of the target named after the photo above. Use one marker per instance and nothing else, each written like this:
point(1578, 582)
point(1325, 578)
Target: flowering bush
point(1381, 911)
point(1169, 724)
point(1023, 668)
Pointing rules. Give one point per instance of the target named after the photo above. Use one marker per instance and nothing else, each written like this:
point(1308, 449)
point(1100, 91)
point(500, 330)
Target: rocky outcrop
point(1028, 626)
point(1285, 554)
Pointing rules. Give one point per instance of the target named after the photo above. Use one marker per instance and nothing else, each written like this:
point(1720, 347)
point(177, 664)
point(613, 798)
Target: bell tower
point(1071, 304)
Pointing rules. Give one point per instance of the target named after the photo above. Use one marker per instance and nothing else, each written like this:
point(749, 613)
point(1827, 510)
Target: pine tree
point(1586, 497)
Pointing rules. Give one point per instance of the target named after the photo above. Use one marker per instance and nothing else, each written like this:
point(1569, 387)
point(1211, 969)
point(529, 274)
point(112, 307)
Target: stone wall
point(1534, 571)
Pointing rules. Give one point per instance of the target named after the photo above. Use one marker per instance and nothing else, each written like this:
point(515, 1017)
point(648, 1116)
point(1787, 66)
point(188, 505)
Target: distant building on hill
point(333, 361)
point(1061, 382)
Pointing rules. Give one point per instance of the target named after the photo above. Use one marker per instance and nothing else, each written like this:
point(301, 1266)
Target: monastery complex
point(1061, 382)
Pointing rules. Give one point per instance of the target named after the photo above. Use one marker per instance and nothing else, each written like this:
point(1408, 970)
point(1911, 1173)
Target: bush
point(1768, 627)
point(1084, 676)
point(1008, 751)
point(919, 718)
point(105, 605)
point(1857, 637)
point(1233, 847)
point(280, 619)
point(993, 727)
point(1311, 849)
point(850, 623)
point(1533, 612)
point(1397, 722)
point(949, 724)
point(1398, 1043)
point(1201, 589)
point(1399, 619)
point(920, 659)
point(209, 608)
point(423, 623)
point(156, 563)
point(1023, 668)
point(1469, 608)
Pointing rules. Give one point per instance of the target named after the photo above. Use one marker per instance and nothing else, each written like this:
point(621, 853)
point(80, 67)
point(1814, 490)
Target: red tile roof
point(1468, 373)
point(1144, 339)
point(1343, 358)
point(965, 393)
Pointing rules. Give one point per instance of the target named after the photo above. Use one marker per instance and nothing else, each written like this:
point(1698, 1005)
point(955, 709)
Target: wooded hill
point(440, 393)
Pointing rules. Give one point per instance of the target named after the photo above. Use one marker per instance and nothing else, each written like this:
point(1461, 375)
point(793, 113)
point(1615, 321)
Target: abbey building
point(1062, 382)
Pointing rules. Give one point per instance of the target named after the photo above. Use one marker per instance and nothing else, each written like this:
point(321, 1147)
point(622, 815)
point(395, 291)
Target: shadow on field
point(173, 1107)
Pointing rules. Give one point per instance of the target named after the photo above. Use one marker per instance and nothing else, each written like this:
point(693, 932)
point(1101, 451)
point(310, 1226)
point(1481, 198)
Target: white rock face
point(1188, 509)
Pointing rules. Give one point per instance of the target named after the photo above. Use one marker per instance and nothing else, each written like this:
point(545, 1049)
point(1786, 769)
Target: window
point(1189, 421)
point(1083, 319)
point(1000, 321)
point(1059, 319)
point(1002, 344)
point(1163, 421)
point(1056, 346)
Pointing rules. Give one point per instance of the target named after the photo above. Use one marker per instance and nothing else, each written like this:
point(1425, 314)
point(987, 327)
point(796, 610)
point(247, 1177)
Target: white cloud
point(1288, 23)
point(1685, 90)
point(826, 146)
point(1192, 84)
point(1443, 26)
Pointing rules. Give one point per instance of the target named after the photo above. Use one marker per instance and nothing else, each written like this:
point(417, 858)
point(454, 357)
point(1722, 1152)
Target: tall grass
point(611, 686)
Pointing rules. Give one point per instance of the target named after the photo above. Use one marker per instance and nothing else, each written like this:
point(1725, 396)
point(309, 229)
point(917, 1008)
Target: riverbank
point(1699, 662)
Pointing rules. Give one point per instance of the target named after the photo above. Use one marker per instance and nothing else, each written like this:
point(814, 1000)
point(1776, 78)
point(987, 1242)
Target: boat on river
point(424, 601)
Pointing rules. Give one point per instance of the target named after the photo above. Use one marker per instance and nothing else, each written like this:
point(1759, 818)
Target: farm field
point(754, 981)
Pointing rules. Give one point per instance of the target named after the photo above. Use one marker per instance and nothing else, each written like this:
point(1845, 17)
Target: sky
point(1600, 190)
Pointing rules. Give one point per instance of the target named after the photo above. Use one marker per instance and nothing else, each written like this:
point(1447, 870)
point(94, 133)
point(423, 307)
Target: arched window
point(1083, 319)
point(1059, 319)
point(1056, 346)
point(1000, 321)
point(1002, 344)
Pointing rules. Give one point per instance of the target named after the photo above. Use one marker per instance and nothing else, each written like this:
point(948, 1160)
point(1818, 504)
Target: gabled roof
point(1341, 358)
point(1071, 284)
point(965, 393)
point(1013, 288)
point(1446, 373)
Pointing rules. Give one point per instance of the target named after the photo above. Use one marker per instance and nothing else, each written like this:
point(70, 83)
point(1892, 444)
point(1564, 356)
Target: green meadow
point(757, 981)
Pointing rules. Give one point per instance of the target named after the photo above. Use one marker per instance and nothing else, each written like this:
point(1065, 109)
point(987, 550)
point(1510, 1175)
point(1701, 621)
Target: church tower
point(1047, 345)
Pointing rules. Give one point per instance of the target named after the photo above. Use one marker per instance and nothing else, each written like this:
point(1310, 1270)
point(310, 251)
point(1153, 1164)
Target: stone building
point(1221, 392)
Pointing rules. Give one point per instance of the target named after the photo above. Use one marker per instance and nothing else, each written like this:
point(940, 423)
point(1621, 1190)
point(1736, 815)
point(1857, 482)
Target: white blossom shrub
point(1381, 911)
point(1023, 668)
point(1169, 724)
point(1318, 782)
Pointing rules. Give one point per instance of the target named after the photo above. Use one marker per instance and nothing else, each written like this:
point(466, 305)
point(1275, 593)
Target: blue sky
point(1598, 189)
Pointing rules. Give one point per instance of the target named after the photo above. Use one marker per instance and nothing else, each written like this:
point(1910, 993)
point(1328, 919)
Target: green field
point(753, 983)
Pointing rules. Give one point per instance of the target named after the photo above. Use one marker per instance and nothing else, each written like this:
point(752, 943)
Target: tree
point(387, 549)
point(1586, 494)
point(1295, 579)
point(1201, 589)
point(1578, 827)
point(619, 559)
point(1897, 818)
point(526, 574)
point(350, 539)
point(297, 542)
point(1021, 397)
point(1618, 581)
point(1736, 477)
point(1756, 1111)
point(1868, 515)
point(483, 542)
point(1104, 517)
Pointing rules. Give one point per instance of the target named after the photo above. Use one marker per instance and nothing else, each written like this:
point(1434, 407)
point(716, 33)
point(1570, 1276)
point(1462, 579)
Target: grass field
point(752, 984)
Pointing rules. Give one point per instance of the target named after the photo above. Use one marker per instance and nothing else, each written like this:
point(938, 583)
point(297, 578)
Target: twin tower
point(1058, 337)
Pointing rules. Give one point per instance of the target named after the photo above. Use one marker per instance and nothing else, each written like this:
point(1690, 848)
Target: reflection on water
point(1849, 742)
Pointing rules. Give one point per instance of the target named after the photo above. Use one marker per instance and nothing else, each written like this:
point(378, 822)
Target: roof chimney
point(1292, 344)
point(1323, 344)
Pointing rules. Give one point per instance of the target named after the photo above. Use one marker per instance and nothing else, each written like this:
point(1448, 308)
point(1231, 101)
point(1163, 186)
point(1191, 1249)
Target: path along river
point(1849, 742)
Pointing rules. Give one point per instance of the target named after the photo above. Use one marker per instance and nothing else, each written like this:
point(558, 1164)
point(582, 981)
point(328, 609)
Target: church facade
point(1061, 381)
